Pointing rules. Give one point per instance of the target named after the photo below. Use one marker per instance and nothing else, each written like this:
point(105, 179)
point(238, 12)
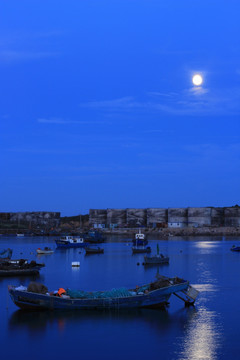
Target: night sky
point(98, 108)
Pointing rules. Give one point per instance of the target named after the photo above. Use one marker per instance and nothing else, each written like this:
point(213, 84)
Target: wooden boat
point(45, 251)
point(140, 239)
point(235, 248)
point(141, 249)
point(153, 295)
point(94, 250)
point(71, 242)
point(156, 260)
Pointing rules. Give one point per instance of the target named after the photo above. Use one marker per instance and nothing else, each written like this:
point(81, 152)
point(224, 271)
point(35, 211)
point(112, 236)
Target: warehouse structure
point(160, 217)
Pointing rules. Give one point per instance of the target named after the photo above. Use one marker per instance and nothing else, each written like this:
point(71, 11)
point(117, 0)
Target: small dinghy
point(45, 251)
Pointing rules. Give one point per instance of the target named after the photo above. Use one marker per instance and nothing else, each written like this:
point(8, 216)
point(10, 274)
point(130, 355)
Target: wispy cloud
point(14, 47)
point(121, 103)
point(60, 121)
point(193, 101)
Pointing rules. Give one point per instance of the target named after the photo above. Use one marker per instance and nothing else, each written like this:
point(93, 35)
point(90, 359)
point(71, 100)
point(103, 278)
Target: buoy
point(138, 264)
point(143, 263)
point(76, 263)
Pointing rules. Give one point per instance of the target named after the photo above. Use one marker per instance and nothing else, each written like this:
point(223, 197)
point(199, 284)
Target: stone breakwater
point(169, 232)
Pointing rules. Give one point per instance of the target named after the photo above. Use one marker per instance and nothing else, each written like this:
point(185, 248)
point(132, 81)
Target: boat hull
point(154, 299)
point(155, 260)
point(44, 252)
point(141, 251)
point(89, 252)
point(19, 272)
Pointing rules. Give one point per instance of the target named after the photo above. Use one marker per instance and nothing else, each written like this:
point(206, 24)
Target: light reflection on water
point(202, 337)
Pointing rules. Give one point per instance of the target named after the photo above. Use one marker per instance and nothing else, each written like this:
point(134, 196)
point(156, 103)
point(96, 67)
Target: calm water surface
point(210, 330)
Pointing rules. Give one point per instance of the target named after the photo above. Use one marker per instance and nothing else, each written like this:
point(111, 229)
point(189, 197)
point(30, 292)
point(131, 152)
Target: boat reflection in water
point(40, 322)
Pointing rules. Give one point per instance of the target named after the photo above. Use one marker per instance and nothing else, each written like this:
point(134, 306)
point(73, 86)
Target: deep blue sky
point(98, 110)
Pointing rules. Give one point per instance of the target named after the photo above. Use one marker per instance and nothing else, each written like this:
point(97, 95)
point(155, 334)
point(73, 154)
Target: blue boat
point(153, 295)
point(71, 242)
point(235, 248)
point(140, 239)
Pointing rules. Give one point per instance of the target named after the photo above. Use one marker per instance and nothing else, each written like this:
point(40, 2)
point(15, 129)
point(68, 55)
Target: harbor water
point(209, 330)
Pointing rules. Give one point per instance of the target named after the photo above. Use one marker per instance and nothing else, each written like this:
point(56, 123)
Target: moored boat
point(44, 251)
point(152, 295)
point(94, 250)
point(70, 242)
point(235, 248)
point(156, 259)
point(19, 268)
point(140, 239)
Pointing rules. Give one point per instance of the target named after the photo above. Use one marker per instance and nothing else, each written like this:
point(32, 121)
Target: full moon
point(197, 80)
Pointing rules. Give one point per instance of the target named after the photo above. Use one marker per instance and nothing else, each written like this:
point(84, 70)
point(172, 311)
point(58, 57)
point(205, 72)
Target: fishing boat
point(152, 295)
point(94, 250)
point(44, 251)
point(235, 248)
point(71, 242)
point(19, 234)
point(141, 249)
point(156, 259)
point(140, 239)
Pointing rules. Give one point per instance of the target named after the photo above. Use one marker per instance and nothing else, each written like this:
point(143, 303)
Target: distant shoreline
point(158, 232)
